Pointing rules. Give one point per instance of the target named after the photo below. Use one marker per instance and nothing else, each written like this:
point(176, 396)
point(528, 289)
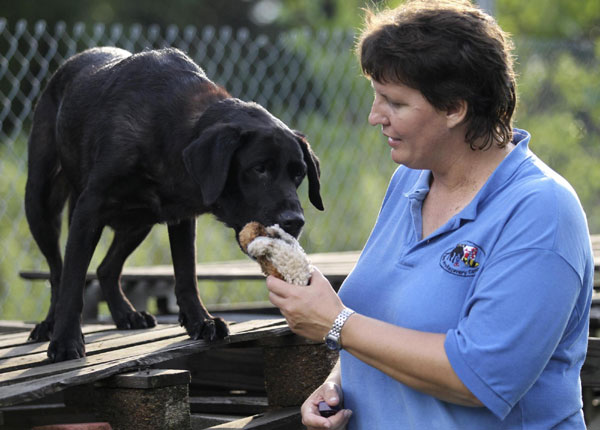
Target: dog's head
point(248, 165)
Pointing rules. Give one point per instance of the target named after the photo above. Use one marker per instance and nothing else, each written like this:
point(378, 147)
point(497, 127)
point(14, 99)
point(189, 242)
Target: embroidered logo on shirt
point(463, 259)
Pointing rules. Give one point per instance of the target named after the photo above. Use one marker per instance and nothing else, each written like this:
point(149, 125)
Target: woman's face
point(415, 130)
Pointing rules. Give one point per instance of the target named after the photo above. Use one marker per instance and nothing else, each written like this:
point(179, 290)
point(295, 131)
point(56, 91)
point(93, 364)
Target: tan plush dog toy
point(277, 252)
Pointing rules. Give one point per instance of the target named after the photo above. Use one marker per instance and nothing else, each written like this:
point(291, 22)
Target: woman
point(471, 297)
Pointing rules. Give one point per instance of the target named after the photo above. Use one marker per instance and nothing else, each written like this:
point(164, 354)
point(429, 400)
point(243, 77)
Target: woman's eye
point(394, 104)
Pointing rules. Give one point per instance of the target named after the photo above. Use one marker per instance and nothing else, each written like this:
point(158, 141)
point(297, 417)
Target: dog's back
point(43, 160)
point(84, 63)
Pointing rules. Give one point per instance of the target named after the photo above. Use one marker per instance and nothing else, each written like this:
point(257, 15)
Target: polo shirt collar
point(496, 181)
point(421, 187)
point(499, 178)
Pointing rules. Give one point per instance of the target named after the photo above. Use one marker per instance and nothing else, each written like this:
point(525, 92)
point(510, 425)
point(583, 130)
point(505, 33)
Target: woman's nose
point(376, 116)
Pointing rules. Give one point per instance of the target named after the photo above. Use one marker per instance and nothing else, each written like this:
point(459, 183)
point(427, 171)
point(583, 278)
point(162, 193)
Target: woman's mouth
point(393, 142)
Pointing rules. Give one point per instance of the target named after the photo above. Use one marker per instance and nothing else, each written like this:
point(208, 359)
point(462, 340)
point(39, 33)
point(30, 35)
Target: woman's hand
point(310, 310)
point(331, 393)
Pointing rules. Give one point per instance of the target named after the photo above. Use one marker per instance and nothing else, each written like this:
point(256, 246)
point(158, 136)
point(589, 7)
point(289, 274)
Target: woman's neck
point(453, 188)
point(468, 170)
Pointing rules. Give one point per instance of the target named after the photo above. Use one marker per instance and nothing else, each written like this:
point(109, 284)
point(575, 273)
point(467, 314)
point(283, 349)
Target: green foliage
point(234, 13)
point(329, 14)
point(560, 106)
point(354, 156)
point(554, 19)
point(18, 300)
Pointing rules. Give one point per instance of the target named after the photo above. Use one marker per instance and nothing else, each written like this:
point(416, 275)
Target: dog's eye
point(260, 169)
point(298, 175)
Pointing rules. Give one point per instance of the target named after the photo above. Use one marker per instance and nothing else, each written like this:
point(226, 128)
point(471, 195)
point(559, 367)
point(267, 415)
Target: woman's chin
point(397, 156)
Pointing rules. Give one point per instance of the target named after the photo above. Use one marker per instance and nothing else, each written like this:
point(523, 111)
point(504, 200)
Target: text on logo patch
point(462, 260)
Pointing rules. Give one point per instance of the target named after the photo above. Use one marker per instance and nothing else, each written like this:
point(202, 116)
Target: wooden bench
point(335, 265)
point(139, 283)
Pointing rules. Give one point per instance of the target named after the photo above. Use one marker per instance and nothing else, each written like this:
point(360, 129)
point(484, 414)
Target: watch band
point(333, 338)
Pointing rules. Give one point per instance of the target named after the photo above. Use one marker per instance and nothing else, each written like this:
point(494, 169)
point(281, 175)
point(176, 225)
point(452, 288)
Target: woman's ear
point(456, 113)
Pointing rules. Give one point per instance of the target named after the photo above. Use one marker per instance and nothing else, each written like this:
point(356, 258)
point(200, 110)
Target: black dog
point(135, 140)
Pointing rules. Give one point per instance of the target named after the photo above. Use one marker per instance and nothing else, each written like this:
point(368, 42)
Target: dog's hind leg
point(123, 313)
point(192, 314)
point(84, 233)
point(45, 194)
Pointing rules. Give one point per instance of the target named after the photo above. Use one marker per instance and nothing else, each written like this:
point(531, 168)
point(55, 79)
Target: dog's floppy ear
point(313, 171)
point(207, 159)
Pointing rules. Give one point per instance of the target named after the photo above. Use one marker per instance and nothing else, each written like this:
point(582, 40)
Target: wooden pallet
point(58, 392)
point(26, 375)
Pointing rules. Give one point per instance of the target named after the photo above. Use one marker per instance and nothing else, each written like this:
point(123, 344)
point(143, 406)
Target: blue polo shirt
point(508, 280)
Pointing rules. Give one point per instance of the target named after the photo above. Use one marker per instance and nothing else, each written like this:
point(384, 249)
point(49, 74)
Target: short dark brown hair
point(449, 51)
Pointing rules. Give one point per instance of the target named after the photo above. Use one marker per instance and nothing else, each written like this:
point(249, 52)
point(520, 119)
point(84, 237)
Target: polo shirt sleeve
point(520, 309)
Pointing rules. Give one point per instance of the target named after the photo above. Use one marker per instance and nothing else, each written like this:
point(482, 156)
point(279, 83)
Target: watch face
point(332, 343)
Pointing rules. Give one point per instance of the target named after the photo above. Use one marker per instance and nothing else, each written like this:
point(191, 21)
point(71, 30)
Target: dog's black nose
point(292, 222)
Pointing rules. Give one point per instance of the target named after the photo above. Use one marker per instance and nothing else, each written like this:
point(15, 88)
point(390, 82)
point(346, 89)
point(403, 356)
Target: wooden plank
point(10, 366)
point(149, 379)
point(24, 373)
point(232, 405)
point(8, 340)
point(7, 326)
point(35, 383)
point(203, 421)
point(280, 419)
point(28, 416)
point(92, 338)
point(237, 367)
point(13, 339)
point(37, 355)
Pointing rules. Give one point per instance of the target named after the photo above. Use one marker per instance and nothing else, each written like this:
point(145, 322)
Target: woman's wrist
point(335, 376)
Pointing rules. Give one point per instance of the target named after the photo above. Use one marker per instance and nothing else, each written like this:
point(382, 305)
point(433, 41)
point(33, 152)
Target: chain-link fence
point(311, 81)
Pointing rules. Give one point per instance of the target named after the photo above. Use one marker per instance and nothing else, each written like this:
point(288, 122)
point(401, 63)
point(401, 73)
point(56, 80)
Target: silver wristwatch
point(332, 340)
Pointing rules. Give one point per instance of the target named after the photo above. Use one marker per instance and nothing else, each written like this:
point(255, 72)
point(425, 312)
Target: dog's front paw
point(209, 329)
point(67, 348)
point(42, 332)
point(135, 320)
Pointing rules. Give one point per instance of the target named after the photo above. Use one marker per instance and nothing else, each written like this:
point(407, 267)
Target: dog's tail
point(47, 189)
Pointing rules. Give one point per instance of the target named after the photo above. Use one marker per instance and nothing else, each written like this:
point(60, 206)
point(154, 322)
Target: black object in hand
point(326, 411)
